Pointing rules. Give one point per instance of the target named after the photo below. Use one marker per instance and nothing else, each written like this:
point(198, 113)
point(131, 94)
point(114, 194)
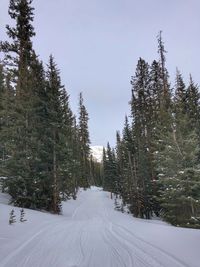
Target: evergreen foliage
point(12, 218)
point(157, 156)
point(84, 142)
point(44, 154)
point(110, 182)
point(22, 215)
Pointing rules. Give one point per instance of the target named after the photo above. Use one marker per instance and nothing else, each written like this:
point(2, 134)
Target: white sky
point(96, 44)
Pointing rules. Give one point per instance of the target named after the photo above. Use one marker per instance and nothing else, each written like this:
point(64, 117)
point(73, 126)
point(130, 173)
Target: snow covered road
point(92, 234)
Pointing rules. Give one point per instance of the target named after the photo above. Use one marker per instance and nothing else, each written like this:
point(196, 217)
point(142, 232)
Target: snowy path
point(92, 234)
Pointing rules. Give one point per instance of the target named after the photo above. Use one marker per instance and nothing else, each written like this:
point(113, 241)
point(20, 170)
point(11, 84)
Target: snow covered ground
point(90, 233)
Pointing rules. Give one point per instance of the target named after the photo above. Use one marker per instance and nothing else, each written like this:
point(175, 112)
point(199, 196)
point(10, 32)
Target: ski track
point(90, 237)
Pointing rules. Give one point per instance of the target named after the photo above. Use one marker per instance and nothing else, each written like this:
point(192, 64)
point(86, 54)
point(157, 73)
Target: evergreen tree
point(110, 182)
point(6, 126)
point(22, 214)
point(177, 163)
point(84, 143)
point(76, 166)
point(180, 94)
point(18, 52)
point(67, 156)
point(192, 103)
point(54, 141)
point(179, 175)
point(2, 93)
point(142, 130)
point(39, 135)
point(18, 57)
point(12, 218)
point(165, 93)
point(129, 173)
point(119, 162)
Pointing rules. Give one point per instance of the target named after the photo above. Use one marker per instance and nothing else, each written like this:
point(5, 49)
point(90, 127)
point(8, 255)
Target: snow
point(90, 233)
point(97, 152)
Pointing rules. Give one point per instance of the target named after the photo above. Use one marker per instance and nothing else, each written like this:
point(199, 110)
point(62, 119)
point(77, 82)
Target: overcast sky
point(96, 44)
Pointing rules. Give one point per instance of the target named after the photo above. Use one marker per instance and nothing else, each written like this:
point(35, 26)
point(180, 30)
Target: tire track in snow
point(120, 249)
point(143, 248)
point(141, 257)
point(26, 259)
point(21, 247)
point(146, 247)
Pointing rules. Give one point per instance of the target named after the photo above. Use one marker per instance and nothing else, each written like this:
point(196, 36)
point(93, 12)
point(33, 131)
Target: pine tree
point(179, 175)
point(111, 180)
point(18, 52)
point(6, 126)
point(76, 166)
point(178, 164)
point(22, 214)
point(2, 92)
point(166, 94)
point(67, 155)
point(129, 172)
point(12, 218)
point(39, 135)
point(163, 119)
point(54, 120)
point(119, 162)
point(18, 57)
point(141, 113)
point(84, 143)
point(180, 95)
point(192, 103)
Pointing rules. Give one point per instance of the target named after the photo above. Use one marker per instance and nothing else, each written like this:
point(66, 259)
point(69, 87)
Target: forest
point(155, 165)
point(44, 148)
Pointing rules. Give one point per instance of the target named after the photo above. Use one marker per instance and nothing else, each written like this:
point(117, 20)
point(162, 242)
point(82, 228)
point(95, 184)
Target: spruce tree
point(129, 172)
point(180, 95)
point(6, 126)
point(192, 107)
point(18, 56)
point(179, 175)
point(22, 214)
point(192, 103)
point(12, 218)
point(2, 93)
point(141, 113)
point(67, 153)
point(54, 121)
point(111, 180)
point(177, 164)
point(166, 94)
point(84, 143)
point(18, 51)
point(39, 136)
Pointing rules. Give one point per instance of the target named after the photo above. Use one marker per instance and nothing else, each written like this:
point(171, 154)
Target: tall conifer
point(84, 143)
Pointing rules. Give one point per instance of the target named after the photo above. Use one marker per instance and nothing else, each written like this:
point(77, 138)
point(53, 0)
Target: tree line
point(44, 149)
point(155, 167)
